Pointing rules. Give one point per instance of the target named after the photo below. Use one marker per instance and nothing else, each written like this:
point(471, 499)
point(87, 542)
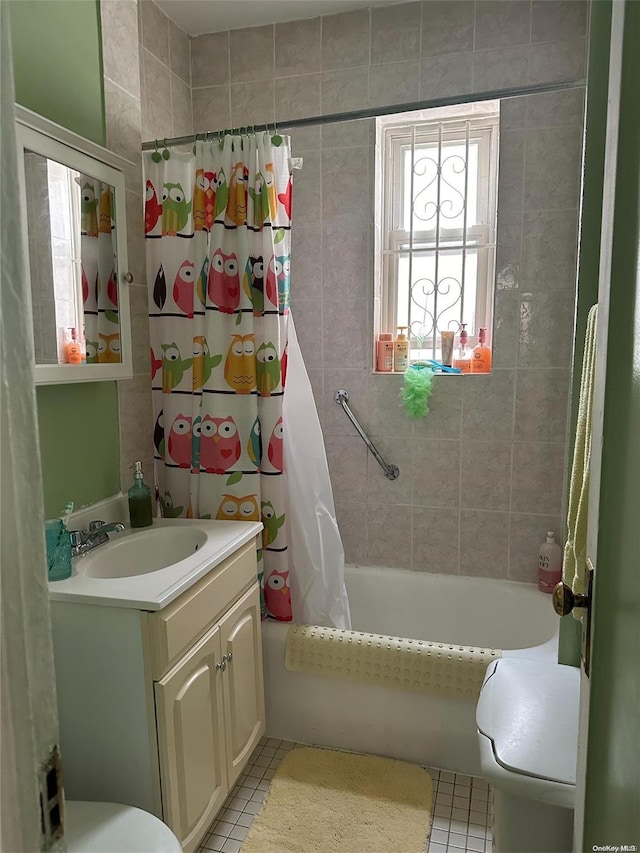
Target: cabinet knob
point(222, 666)
point(228, 658)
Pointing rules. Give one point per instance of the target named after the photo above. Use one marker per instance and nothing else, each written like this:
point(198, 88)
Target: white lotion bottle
point(549, 563)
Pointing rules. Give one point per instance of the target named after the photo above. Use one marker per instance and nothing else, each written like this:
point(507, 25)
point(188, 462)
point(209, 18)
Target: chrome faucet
point(98, 533)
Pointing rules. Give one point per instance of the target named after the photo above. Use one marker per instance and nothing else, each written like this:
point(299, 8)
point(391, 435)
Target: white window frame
point(441, 128)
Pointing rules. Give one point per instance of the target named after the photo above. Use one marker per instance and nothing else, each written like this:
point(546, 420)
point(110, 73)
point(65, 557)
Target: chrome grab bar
point(391, 472)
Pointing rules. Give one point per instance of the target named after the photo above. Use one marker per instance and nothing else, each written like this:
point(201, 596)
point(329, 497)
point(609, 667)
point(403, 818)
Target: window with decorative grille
point(437, 179)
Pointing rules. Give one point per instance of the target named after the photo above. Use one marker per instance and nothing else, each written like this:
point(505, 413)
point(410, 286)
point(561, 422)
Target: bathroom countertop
point(153, 590)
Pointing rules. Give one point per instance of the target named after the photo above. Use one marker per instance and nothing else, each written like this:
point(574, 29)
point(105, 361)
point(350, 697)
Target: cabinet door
point(191, 742)
point(241, 638)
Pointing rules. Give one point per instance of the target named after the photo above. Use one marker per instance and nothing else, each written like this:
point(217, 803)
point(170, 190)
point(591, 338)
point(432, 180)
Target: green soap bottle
point(140, 504)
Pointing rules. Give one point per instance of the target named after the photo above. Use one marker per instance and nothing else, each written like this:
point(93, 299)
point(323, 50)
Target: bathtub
point(431, 730)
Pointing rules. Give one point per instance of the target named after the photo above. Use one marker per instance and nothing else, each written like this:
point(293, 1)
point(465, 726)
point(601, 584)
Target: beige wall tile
point(345, 40)
point(181, 114)
point(210, 60)
point(119, 21)
point(297, 97)
point(352, 522)
point(252, 54)
point(298, 47)
point(486, 475)
point(155, 30)
point(156, 99)
point(447, 27)
point(395, 33)
point(211, 109)
point(389, 536)
point(484, 543)
point(502, 23)
point(538, 477)
point(252, 103)
point(179, 53)
point(436, 534)
point(436, 473)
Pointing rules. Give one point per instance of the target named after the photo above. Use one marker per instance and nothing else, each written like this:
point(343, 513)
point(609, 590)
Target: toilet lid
point(109, 827)
point(529, 710)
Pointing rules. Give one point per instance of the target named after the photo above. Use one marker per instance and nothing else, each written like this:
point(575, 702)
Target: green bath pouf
point(416, 390)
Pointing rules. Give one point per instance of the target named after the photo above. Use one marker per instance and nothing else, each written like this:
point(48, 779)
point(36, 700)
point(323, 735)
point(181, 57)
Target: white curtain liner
point(319, 595)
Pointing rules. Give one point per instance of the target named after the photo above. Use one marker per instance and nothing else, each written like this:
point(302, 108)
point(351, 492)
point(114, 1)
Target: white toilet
point(110, 827)
point(527, 719)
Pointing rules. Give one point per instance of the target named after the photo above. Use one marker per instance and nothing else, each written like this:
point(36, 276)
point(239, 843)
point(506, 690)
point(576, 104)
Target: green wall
point(613, 748)
point(57, 60)
point(589, 260)
point(80, 458)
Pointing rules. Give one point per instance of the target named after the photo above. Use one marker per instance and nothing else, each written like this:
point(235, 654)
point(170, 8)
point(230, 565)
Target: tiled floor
point(461, 809)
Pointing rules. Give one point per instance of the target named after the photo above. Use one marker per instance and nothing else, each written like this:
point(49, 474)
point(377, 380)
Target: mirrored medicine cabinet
point(74, 229)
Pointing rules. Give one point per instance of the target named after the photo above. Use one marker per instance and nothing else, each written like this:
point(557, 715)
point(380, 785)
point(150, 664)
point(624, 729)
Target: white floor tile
point(456, 839)
point(439, 835)
point(461, 810)
point(253, 808)
point(239, 833)
point(477, 830)
point(460, 814)
point(222, 828)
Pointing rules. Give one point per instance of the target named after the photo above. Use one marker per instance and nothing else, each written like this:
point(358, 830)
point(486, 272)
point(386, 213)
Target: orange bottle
point(74, 349)
point(481, 359)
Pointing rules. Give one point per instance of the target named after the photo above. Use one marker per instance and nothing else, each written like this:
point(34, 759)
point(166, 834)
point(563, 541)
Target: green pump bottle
point(140, 504)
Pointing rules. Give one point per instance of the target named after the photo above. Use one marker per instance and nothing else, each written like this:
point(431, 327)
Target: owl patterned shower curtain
point(98, 271)
point(217, 227)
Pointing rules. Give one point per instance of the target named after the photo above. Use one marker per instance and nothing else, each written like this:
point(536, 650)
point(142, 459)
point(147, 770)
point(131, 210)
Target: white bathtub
point(430, 730)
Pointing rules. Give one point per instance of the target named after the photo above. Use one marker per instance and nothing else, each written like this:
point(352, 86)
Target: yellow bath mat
point(323, 801)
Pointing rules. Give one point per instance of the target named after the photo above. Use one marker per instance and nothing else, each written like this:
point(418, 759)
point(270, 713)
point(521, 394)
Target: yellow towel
point(575, 548)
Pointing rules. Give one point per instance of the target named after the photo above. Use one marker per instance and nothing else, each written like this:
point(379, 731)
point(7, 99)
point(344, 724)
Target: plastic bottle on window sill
point(401, 351)
point(462, 354)
point(384, 353)
point(481, 360)
point(74, 349)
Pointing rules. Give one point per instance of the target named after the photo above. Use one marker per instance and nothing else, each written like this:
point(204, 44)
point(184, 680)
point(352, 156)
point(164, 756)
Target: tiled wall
point(482, 475)
point(147, 91)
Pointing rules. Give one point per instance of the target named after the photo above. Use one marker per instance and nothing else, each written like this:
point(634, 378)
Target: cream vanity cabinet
point(162, 710)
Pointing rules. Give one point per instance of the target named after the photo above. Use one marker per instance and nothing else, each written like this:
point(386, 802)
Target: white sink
point(147, 569)
point(142, 551)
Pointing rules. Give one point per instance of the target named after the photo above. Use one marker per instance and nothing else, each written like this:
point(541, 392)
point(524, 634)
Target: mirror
point(75, 234)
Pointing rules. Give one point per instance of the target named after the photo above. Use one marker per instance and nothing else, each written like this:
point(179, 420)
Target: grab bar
point(391, 472)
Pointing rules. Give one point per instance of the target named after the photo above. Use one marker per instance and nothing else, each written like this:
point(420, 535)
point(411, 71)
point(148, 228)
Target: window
point(437, 187)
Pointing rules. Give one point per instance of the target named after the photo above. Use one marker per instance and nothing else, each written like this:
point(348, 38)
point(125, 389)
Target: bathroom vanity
point(159, 678)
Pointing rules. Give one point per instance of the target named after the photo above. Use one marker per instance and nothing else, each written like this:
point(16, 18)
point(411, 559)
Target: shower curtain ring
point(166, 154)
point(156, 156)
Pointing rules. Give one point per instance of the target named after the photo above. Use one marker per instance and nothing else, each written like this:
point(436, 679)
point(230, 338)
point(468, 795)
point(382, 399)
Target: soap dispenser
point(140, 504)
point(462, 354)
point(401, 351)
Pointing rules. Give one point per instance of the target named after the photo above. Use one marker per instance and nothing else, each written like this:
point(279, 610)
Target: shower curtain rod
point(373, 112)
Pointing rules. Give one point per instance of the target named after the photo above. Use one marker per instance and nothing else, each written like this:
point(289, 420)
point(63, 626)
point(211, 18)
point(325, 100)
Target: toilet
point(110, 827)
point(527, 720)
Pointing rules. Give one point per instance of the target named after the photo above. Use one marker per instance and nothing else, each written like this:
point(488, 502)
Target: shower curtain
point(218, 236)
point(98, 270)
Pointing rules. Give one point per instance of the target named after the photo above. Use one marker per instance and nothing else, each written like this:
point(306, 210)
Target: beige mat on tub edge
point(324, 801)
